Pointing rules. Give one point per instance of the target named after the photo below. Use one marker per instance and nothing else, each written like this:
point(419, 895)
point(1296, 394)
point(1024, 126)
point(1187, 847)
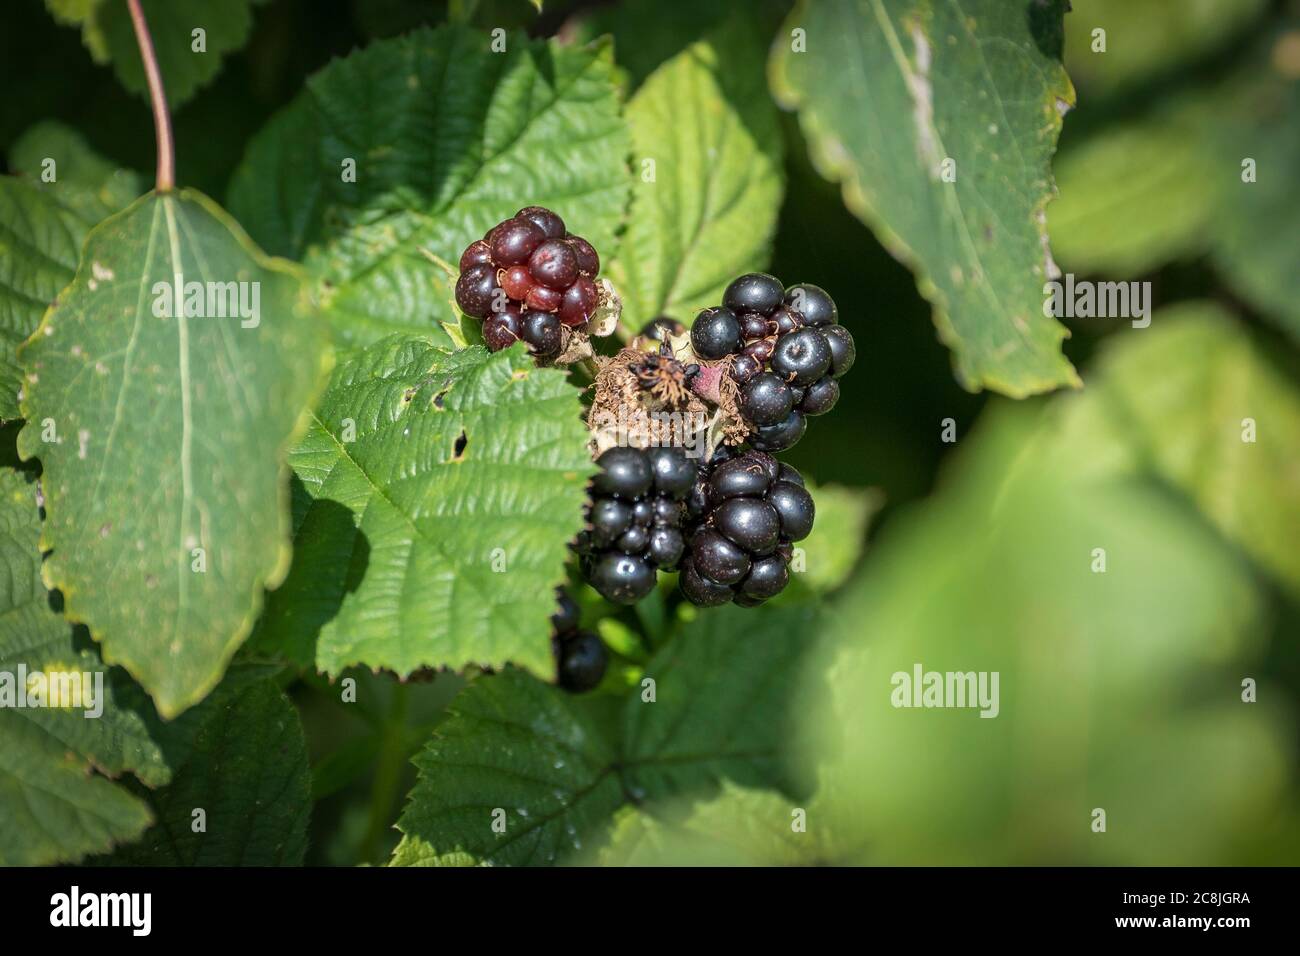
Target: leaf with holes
point(56, 801)
point(437, 492)
point(42, 227)
point(162, 434)
point(708, 213)
point(940, 119)
point(414, 147)
point(524, 773)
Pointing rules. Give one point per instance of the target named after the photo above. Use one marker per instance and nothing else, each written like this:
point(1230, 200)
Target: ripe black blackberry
point(527, 277)
point(580, 656)
point(788, 354)
point(746, 512)
point(635, 520)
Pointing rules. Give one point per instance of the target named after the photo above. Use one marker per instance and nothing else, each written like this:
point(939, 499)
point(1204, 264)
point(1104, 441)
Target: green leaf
point(160, 436)
point(448, 138)
point(708, 214)
point(546, 759)
point(107, 33)
point(42, 226)
point(1144, 38)
point(887, 90)
point(838, 538)
point(1120, 684)
point(1134, 197)
point(241, 758)
point(54, 806)
point(438, 492)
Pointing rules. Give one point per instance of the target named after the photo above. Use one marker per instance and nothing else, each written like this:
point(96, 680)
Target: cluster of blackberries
point(746, 511)
point(789, 352)
point(580, 656)
point(635, 520)
point(526, 278)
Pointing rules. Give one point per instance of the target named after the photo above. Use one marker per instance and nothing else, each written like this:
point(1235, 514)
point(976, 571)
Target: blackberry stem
point(165, 181)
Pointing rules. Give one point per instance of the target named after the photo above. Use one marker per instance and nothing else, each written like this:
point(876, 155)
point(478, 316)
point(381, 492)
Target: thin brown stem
point(162, 120)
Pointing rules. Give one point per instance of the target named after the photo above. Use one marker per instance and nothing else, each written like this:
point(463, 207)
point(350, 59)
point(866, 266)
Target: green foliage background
point(1119, 690)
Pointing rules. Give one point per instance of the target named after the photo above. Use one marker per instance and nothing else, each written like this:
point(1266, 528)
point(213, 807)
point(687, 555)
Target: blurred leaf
point(887, 91)
point(240, 757)
point(107, 33)
point(448, 139)
point(1135, 196)
point(1147, 37)
point(42, 226)
point(541, 755)
point(435, 534)
point(54, 807)
point(737, 828)
point(838, 538)
point(708, 214)
point(1118, 690)
point(169, 438)
point(1170, 185)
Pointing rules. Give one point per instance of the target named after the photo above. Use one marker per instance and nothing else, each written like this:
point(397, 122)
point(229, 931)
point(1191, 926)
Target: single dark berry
point(585, 253)
point(514, 241)
point(665, 548)
point(791, 474)
point(552, 226)
point(516, 281)
point(753, 325)
point(802, 357)
point(744, 368)
point(477, 253)
point(795, 507)
point(541, 330)
point(475, 289)
point(717, 558)
point(578, 304)
point(643, 512)
point(541, 298)
point(812, 302)
point(754, 292)
point(625, 472)
point(668, 513)
point(633, 540)
point(609, 518)
point(582, 663)
point(501, 330)
point(554, 265)
point(736, 478)
point(622, 578)
point(781, 436)
point(768, 578)
point(699, 590)
point(760, 350)
point(697, 502)
point(821, 396)
point(766, 400)
point(787, 320)
point(674, 473)
point(566, 618)
point(715, 334)
point(749, 522)
point(843, 351)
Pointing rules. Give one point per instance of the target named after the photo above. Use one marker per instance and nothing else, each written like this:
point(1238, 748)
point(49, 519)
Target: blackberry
point(529, 263)
point(787, 350)
point(580, 656)
point(747, 512)
point(635, 520)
